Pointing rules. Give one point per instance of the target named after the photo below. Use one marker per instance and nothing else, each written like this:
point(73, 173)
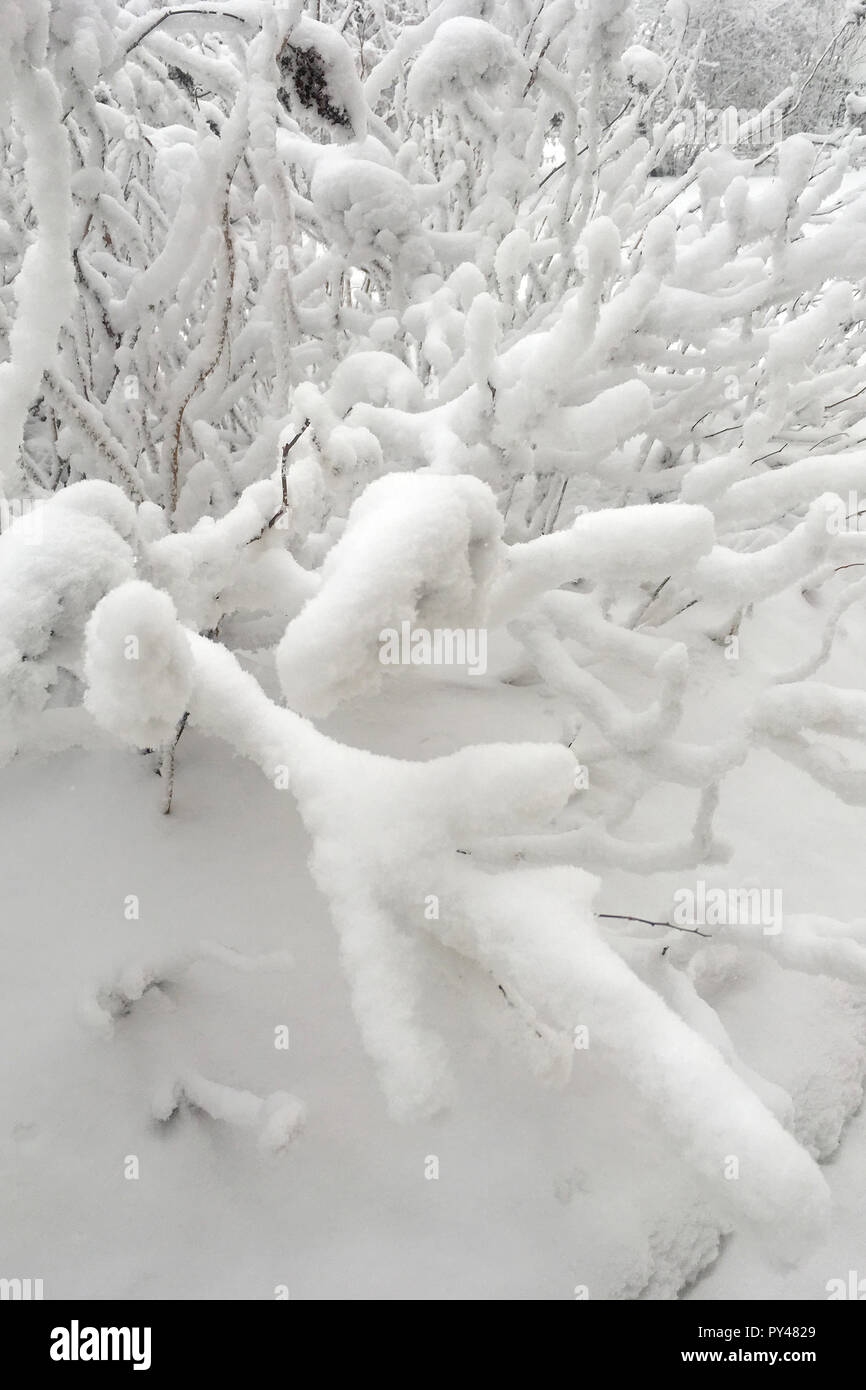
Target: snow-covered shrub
point(339, 333)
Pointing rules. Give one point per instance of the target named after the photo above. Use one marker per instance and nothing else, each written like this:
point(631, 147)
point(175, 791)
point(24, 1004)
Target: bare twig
point(283, 509)
point(827, 51)
point(671, 926)
point(168, 762)
point(287, 449)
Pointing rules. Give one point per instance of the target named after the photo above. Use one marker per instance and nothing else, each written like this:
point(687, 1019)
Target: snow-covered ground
point(538, 1193)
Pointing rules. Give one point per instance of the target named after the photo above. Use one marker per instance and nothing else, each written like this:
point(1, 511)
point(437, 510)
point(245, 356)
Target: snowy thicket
point(313, 327)
point(748, 48)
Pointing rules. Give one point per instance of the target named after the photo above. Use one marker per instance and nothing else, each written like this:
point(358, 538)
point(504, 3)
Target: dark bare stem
point(287, 449)
point(671, 926)
point(168, 762)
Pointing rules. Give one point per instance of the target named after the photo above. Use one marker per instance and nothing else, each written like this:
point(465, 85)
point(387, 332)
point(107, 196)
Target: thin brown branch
point(827, 51)
point(672, 926)
point(168, 765)
point(190, 10)
point(287, 449)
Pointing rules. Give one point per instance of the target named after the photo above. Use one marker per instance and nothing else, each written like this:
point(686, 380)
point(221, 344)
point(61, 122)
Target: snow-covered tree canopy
point(319, 322)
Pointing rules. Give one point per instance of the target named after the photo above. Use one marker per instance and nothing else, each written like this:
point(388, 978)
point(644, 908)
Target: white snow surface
point(269, 1167)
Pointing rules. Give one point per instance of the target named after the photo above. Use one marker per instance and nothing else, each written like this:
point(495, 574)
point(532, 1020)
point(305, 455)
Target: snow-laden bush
point(362, 322)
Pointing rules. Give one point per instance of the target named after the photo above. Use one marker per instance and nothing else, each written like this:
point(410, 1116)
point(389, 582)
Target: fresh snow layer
point(260, 1166)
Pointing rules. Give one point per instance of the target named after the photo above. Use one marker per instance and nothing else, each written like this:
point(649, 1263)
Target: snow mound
point(137, 665)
